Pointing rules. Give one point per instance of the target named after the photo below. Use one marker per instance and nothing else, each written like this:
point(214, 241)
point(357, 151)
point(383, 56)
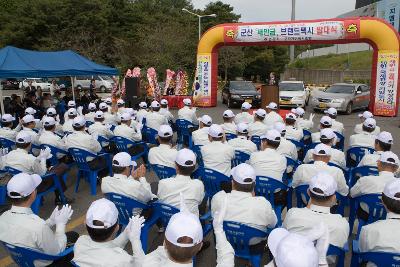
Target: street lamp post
point(199, 17)
point(293, 17)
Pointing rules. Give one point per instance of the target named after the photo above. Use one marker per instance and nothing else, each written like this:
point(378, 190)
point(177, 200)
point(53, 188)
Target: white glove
point(95, 136)
point(219, 216)
point(134, 227)
point(79, 110)
point(45, 153)
point(50, 221)
point(312, 115)
point(63, 215)
point(58, 118)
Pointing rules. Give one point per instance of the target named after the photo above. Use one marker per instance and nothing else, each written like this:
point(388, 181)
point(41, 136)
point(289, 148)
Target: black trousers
point(65, 261)
point(97, 163)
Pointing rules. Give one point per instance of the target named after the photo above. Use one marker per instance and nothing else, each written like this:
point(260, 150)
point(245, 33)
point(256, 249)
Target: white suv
point(37, 82)
point(293, 94)
point(103, 82)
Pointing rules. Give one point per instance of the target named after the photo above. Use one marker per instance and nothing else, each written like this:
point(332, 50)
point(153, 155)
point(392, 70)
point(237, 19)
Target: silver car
point(345, 97)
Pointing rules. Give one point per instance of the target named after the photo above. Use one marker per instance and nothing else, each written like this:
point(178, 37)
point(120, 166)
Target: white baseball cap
point(123, 159)
point(215, 131)
point(72, 112)
point(51, 112)
point(155, 104)
point(290, 116)
point(79, 121)
point(23, 137)
point(184, 224)
point(370, 123)
point(242, 128)
point(246, 106)
point(130, 111)
point(292, 250)
point(99, 114)
point(280, 127)
point(331, 111)
point(391, 189)
point(103, 106)
point(261, 113)
point(164, 102)
point(7, 118)
point(272, 135)
point(243, 174)
point(300, 111)
point(366, 115)
point(108, 100)
point(228, 114)
point(29, 118)
point(272, 105)
point(30, 111)
point(207, 120)
point(165, 131)
point(325, 182)
point(49, 121)
point(389, 157)
point(327, 133)
point(326, 120)
point(185, 158)
point(125, 116)
point(385, 137)
point(187, 101)
point(71, 104)
point(92, 106)
point(102, 210)
point(23, 184)
point(322, 150)
point(120, 102)
point(143, 104)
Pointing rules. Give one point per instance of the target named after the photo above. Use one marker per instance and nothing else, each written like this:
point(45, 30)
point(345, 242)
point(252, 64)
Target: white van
point(104, 83)
point(293, 94)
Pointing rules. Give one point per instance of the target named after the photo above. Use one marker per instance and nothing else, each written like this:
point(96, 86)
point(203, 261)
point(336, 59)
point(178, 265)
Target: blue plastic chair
point(126, 206)
point(88, 123)
point(54, 152)
point(340, 141)
point(291, 166)
point(123, 144)
point(266, 187)
point(240, 157)
point(5, 143)
point(358, 172)
point(306, 137)
point(199, 157)
point(300, 148)
point(212, 181)
point(256, 140)
point(81, 158)
point(355, 154)
point(381, 259)
point(183, 133)
point(104, 141)
point(151, 136)
point(25, 256)
point(230, 136)
point(376, 210)
point(239, 236)
point(162, 171)
point(339, 252)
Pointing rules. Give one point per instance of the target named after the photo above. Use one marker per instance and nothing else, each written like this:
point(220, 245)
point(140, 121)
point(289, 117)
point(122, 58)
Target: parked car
point(103, 82)
point(345, 97)
point(237, 92)
point(293, 94)
point(10, 84)
point(39, 83)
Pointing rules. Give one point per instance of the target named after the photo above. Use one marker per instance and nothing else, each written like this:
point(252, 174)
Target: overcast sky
point(275, 10)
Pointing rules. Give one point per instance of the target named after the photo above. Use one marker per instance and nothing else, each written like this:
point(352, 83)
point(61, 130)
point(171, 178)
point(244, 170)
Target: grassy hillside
point(358, 61)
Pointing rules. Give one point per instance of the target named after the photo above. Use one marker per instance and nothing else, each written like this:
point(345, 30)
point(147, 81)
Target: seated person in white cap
point(366, 138)
point(188, 112)
point(285, 148)
point(132, 133)
point(291, 131)
point(261, 214)
point(164, 154)
point(99, 127)
point(51, 112)
point(100, 247)
point(229, 125)
point(109, 118)
point(70, 104)
point(363, 116)
point(184, 239)
point(7, 131)
point(244, 116)
point(155, 119)
point(258, 127)
point(325, 122)
point(19, 226)
point(71, 115)
point(217, 155)
point(301, 122)
point(383, 235)
point(337, 126)
point(92, 112)
point(164, 110)
point(383, 142)
point(48, 136)
point(200, 136)
point(241, 142)
point(28, 123)
point(32, 111)
point(321, 156)
point(268, 162)
point(192, 189)
point(142, 112)
point(108, 101)
point(121, 105)
point(328, 137)
point(272, 116)
point(322, 191)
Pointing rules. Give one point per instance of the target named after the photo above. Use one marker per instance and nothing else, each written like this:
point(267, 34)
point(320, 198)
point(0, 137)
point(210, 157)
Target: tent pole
point(73, 88)
point(2, 100)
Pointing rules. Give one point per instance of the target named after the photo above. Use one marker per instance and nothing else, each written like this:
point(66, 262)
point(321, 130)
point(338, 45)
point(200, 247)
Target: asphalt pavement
point(207, 257)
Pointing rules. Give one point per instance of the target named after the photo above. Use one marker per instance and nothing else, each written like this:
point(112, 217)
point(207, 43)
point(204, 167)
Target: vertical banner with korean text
point(386, 83)
point(202, 83)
